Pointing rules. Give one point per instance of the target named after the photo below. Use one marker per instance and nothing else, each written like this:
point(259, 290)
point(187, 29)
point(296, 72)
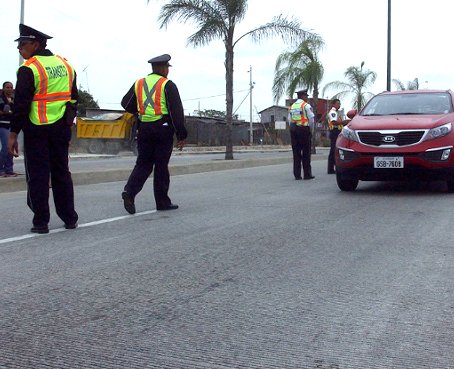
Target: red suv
point(399, 135)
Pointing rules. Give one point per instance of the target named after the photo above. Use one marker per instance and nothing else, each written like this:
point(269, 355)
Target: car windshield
point(409, 104)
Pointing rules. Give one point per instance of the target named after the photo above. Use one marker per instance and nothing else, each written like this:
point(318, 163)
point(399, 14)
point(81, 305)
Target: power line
point(210, 97)
point(242, 101)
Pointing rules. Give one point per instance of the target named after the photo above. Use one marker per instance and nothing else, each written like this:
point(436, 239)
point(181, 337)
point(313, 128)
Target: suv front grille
point(381, 138)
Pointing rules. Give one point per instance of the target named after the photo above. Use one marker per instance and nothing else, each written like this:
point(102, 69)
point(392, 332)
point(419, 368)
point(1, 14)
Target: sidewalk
point(104, 172)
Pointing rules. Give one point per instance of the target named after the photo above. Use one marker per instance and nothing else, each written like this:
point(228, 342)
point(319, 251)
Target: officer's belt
point(164, 119)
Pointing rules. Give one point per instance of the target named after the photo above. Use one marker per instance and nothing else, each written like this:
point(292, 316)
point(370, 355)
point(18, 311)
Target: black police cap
point(30, 34)
point(302, 92)
point(160, 60)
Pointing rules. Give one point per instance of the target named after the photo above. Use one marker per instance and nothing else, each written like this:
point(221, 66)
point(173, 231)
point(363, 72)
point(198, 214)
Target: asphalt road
point(90, 169)
point(255, 270)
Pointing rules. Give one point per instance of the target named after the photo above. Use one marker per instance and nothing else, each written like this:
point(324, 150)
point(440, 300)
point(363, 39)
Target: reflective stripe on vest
point(151, 103)
point(298, 114)
point(53, 84)
point(332, 126)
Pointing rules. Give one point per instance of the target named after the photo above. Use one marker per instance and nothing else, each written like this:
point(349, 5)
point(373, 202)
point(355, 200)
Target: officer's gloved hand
point(180, 144)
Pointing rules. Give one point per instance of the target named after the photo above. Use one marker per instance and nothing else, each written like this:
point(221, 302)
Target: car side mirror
point(352, 113)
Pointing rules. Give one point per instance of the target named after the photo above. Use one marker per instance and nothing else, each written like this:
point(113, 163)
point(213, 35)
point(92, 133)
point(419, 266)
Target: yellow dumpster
point(107, 132)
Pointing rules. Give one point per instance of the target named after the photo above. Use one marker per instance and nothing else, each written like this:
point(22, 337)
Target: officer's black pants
point(331, 157)
point(154, 145)
point(46, 156)
point(301, 147)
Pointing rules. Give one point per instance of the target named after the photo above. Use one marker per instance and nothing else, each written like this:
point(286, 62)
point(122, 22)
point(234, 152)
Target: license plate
point(387, 162)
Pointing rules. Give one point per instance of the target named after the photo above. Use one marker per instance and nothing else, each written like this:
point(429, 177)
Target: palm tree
point(301, 67)
point(358, 81)
point(217, 19)
point(411, 85)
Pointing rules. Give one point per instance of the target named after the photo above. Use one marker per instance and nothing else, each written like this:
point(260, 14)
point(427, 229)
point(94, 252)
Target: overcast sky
point(109, 43)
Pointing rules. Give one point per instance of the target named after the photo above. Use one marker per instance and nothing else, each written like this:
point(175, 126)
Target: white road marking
point(84, 225)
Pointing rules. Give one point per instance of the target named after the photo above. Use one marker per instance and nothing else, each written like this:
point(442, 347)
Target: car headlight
point(349, 134)
point(439, 131)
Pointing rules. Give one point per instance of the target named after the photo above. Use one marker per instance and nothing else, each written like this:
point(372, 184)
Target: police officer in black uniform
point(45, 114)
point(301, 119)
point(157, 102)
point(335, 124)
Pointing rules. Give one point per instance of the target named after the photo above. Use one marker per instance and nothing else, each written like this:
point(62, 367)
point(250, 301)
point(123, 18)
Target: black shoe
point(71, 225)
point(128, 203)
point(298, 178)
point(331, 172)
point(308, 177)
point(170, 207)
point(40, 230)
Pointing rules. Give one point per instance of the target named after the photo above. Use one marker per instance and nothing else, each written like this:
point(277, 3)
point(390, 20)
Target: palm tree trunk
point(229, 101)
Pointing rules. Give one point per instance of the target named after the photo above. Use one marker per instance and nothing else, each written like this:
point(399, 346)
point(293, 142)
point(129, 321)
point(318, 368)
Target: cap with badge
point(302, 92)
point(160, 60)
point(30, 34)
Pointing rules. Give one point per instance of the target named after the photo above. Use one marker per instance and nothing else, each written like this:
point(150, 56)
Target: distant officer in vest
point(301, 119)
point(335, 122)
point(157, 102)
point(45, 98)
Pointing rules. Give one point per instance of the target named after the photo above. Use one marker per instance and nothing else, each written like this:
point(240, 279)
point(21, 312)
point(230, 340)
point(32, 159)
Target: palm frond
point(288, 29)
point(358, 80)
point(399, 84)
point(197, 11)
point(337, 85)
point(300, 68)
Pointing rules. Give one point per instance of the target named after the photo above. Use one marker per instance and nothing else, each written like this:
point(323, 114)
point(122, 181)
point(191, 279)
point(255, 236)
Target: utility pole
point(22, 6)
point(251, 86)
point(86, 77)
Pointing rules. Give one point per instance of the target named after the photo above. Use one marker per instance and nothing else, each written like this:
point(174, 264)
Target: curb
point(121, 174)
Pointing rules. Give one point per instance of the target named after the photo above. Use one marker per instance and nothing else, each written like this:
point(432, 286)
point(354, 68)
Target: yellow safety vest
point(151, 99)
point(54, 78)
point(298, 114)
point(331, 125)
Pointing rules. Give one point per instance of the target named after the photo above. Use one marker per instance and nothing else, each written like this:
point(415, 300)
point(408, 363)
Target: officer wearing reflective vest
point(301, 120)
point(45, 98)
point(335, 123)
point(157, 102)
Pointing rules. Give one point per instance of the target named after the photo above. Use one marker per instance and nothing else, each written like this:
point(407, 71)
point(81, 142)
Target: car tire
point(346, 184)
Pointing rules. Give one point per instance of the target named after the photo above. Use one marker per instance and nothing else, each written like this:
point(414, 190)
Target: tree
point(211, 113)
point(358, 81)
point(297, 68)
point(217, 19)
point(411, 85)
point(85, 101)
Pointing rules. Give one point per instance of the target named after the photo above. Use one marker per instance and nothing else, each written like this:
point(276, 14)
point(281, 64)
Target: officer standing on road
point(335, 123)
point(45, 97)
point(301, 120)
point(157, 101)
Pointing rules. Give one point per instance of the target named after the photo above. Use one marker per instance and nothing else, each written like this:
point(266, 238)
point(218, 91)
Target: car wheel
point(346, 184)
point(450, 186)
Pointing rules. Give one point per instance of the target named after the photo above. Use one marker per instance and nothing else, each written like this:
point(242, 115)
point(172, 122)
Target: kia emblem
point(389, 139)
